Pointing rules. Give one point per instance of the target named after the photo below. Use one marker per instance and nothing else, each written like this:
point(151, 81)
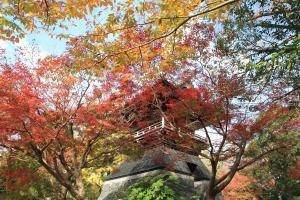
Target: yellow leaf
point(4, 2)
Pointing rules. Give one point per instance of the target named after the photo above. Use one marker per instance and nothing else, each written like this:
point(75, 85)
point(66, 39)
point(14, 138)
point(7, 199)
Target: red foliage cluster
point(54, 115)
point(37, 108)
point(238, 188)
point(295, 171)
point(14, 179)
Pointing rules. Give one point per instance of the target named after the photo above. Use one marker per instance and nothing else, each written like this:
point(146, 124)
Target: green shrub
point(160, 187)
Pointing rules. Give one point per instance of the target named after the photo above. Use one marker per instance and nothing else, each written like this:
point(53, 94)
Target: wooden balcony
point(158, 127)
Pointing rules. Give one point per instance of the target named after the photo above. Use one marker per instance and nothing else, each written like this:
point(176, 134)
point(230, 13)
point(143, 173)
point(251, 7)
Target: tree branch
point(186, 19)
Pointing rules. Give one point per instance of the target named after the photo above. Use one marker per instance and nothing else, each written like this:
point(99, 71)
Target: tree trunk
point(210, 197)
point(75, 191)
point(80, 186)
point(76, 195)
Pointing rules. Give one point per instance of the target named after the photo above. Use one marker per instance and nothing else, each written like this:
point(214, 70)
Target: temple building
point(169, 149)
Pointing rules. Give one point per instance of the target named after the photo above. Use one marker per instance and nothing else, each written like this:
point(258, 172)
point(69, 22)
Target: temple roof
point(166, 159)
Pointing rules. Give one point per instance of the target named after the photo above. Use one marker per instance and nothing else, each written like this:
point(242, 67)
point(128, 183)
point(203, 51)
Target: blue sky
point(52, 46)
point(46, 43)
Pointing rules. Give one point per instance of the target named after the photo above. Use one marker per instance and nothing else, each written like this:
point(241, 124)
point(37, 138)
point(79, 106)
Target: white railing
point(145, 131)
point(158, 126)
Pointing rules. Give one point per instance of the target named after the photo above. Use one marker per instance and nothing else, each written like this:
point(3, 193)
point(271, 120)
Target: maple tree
point(136, 31)
point(20, 17)
point(60, 120)
point(100, 42)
